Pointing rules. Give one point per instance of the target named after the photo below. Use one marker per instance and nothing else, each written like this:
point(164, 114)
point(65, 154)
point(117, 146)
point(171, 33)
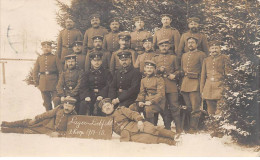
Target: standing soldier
point(214, 68)
point(96, 29)
point(94, 84)
point(193, 24)
point(124, 42)
point(167, 32)
point(66, 38)
point(126, 82)
point(46, 73)
point(69, 81)
point(168, 68)
point(110, 41)
point(191, 64)
point(80, 57)
point(147, 55)
point(106, 56)
point(139, 35)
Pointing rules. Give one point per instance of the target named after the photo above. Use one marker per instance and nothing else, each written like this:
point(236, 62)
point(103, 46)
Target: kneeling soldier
point(69, 81)
point(53, 122)
point(94, 84)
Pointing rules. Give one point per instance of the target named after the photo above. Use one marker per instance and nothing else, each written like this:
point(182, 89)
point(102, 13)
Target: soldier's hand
point(54, 134)
point(32, 122)
point(171, 77)
point(99, 98)
point(115, 101)
point(161, 68)
point(141, 104)
point(140, 126)
point(88, 99)
point(62, 99)
point(148, 103)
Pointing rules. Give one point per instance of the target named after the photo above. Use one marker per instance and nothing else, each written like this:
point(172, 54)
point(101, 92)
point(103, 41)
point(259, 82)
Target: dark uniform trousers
point(48, 97)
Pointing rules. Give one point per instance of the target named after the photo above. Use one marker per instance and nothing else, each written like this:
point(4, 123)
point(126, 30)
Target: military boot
point(177, 121)
point(168, 141)
point(12, 130)
point(194, 122)
point(21, 123)
point(166, 133)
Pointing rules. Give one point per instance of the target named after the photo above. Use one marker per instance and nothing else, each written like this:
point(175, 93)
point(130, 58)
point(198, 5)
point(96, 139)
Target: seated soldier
point(69, 81)
point(94, 84)
point(131, 126)
point(53, 122)
point(151, 97)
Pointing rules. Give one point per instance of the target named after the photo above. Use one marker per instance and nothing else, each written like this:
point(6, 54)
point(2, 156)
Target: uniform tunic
point(213, 71)
point(137, 38)
point(65, 40)
point(106, 56)
point(191, 62)
point(142, 58)
point(202, 42)
point(91, 32)
point(80, 61)
point(167, 33)
point(110, 42)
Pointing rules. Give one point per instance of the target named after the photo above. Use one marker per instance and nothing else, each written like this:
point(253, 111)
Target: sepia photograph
point(129, 78)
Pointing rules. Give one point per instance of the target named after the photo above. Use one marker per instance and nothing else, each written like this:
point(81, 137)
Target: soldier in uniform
point(193, 24)
point(45, 74)
point(152, 93)
point(168, 68)
point(191, 64)
point(66, 38)
point(167, 32)
point(147, 55)
point(124, 42)
point(97, 43)
point(94, 84)
point(80, 57)
point(139, 35)
point(69, 81)
point(126, 82)
point(131, 126)
point(110, 41)
point(53, 122)
point(96, 29)
point(214, 68)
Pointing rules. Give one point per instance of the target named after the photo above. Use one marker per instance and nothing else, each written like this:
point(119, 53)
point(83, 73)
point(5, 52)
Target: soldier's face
point(71, 63)
point(192, 44)
point(214, 50)
point(125, 62)
point(46, 49)
point(77, 48)
point(148, 46)
point(164, 48)
point(194, 26)
point(166, 21)
point(97, 43)
point(69, 24)
point(124, 43)
point(107, 108)
point(149, 70)
point(96, 63)
point(68, 108)
point(139, 25)
point(114, 26)
point(95, 22)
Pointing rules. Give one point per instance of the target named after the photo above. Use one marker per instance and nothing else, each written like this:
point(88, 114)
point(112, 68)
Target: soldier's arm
point(75, 91)
point(112, 88)
point(60, 85)
point(87, 63)
point(36, 71)
point(59, 45)
point(132, 115)
point(104, 91)
point(84, 88)
point(203, 76)
point(155, 41)
point(108, 55)
point(85, 43)
point(79, 36)
point(134, 89)
point(141, 95)
point(137, 62)
point(105, 43)
point(176, 40)
point(176, 66)
point(160, 91)
point(181, 47)
point(134, 57)
point(112, 64)
point(205, 45)
point(46, 115)
point(59, 65)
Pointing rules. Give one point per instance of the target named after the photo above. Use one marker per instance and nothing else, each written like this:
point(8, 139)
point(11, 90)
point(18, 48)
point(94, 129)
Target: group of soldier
point(138, 72)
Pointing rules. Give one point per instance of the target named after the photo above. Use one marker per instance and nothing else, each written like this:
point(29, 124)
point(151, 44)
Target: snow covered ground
point(19, 101)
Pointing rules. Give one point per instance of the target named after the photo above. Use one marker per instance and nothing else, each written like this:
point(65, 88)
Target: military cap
point(97, 37)
point(94, 16)
point(124, 54)
point(163, 41)
point(69, 100)
point(77, 43)
point(150, 63)
point(103, 101)
point(48, 43)
point(166, 15)
point(191, 37)
point(95, 55)
point(124, 35)
point(138, 18)
point(115, 19)
point(193, 19)
point(214, 43)
point(148, 39)
point(71, 56)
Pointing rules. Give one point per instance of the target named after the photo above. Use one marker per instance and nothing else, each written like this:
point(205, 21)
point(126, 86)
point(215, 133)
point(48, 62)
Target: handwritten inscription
point(90, 127)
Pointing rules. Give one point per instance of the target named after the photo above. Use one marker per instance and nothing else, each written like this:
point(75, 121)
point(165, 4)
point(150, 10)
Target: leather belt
point(48, 72)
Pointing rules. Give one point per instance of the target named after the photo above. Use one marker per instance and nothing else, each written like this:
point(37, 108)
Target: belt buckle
point(120, 90)
point(96, 90)
point(47, 73)
point(212, 79)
